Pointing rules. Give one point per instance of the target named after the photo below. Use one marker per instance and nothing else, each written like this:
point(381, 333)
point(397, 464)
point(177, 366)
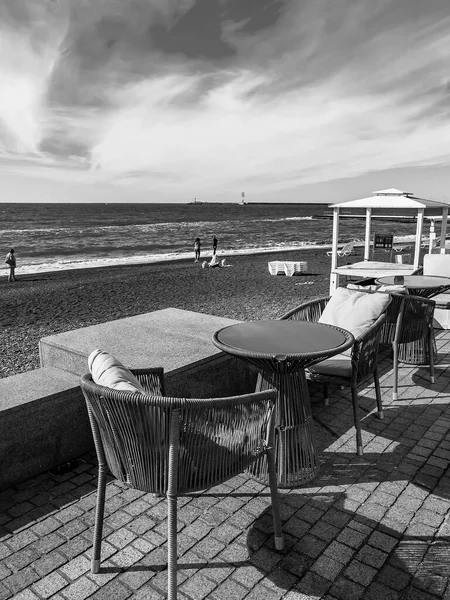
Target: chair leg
point(359, 446)
point(431, 353)
point(395, 389)
point(278, 532)
point(378, 393)
point(326, 394)
point(172, 546)
point(172, 488)
point(99, 513)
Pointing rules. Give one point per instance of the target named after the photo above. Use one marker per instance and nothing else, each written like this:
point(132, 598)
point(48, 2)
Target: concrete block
point(43, 417)
point(43, 423)
point(171, 338)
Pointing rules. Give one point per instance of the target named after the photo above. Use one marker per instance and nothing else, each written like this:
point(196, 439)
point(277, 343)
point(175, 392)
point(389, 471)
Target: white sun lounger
point(346, 250)
point(288, 267)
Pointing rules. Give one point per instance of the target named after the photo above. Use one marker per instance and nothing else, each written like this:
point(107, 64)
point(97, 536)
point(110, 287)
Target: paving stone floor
point(375, 527)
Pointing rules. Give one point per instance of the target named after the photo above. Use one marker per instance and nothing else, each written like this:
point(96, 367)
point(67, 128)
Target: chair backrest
point(383, 240)
point(365, 350)
point(212, 440)
point(414, 318)
point(436, 264)
point(308, 311)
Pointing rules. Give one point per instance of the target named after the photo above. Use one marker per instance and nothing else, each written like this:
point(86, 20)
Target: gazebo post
point(334, 277)
point(367, 238)
point(443, 229)
point(432, 242)
point(419, 229)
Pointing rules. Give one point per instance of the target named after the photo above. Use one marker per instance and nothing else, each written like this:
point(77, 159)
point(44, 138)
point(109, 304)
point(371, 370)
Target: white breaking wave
point(69, 264)
point(286, 219)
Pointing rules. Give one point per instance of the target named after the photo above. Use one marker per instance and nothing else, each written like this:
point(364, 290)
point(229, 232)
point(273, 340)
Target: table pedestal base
point(296, 457)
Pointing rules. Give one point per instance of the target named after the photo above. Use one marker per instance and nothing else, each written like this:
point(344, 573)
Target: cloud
point(30, 37)
point(306, 92)
point(59, 62)
point(328, 103)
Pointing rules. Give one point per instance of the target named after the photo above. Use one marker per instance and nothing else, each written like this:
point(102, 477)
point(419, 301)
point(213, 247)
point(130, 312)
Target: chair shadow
point(308, 542)
point(441, 358)
point(441, 379)
point(309, 537)
point(341, 468)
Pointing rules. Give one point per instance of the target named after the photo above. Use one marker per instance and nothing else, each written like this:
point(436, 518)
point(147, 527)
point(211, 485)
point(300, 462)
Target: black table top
point(275, 337)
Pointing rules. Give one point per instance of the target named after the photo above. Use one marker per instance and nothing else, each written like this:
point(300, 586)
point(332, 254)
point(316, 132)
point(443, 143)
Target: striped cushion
point(109, 372)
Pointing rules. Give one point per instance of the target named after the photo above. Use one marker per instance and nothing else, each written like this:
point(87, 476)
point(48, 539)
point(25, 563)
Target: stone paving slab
point(375, 527)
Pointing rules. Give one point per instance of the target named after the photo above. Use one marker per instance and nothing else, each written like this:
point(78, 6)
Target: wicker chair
point(347, 371)
point(409, 328)
point(171, 446)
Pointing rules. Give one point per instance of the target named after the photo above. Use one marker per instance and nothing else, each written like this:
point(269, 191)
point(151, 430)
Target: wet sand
point(43, 304)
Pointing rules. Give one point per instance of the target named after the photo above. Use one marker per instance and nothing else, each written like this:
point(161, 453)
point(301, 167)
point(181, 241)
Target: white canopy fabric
point(391, 198)
point(386, 199)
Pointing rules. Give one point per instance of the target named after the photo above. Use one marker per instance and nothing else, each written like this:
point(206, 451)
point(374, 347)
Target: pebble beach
point(38, 305)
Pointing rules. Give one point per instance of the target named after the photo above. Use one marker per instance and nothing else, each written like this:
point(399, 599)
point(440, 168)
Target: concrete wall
point(43, 417)
point(43, 423)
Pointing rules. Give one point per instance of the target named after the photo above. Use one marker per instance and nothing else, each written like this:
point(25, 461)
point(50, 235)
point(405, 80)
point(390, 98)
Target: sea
point(55, 237)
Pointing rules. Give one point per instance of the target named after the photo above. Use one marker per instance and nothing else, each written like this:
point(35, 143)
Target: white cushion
point(354, 311)
point(110, 372)
point(436, 264)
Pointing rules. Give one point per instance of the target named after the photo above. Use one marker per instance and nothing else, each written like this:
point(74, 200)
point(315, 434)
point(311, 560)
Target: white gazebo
point(383, 199)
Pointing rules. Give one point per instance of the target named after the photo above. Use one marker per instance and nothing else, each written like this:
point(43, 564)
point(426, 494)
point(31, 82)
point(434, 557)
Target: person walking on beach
point(11, 262)
point(215, 240)
point(197, 249)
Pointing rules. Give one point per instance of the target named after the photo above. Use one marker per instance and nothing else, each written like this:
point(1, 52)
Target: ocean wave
point(144, 227)
point(310, 218)
point(96, 262)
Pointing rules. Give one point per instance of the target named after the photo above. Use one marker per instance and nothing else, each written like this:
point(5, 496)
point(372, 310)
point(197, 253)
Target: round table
point(426, 286)
point(282, 350)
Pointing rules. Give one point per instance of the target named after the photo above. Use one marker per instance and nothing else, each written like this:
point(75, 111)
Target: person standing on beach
point(197, 249)
point(215, 240)
point(11, 262)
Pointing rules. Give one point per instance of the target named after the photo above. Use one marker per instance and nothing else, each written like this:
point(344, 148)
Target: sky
point(171, 100)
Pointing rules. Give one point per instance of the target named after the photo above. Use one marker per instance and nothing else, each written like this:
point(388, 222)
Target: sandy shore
point(43, 304)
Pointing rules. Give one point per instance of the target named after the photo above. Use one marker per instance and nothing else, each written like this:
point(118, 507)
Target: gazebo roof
point(391, 198)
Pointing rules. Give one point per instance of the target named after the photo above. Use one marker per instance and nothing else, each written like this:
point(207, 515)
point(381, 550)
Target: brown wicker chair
point(409, 328)
point(348, 371)
point(171, 446)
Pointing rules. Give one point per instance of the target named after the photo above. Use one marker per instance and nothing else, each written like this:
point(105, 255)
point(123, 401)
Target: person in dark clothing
point(197, 249)
point(215, 240)
point(11, 262)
